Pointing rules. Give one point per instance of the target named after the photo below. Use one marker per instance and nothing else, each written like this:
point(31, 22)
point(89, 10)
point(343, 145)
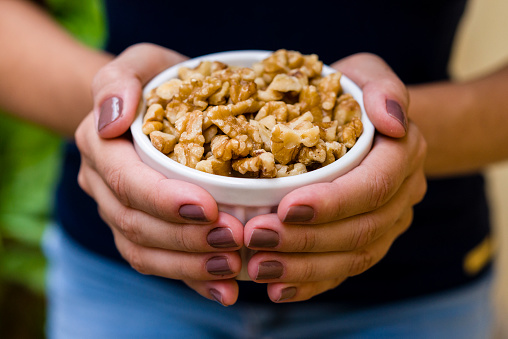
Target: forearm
point(465, 124)
point(46, 73)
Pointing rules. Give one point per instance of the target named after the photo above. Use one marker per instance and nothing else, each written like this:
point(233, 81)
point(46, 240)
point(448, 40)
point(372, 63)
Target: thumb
point(117, 86)
point(385, 96)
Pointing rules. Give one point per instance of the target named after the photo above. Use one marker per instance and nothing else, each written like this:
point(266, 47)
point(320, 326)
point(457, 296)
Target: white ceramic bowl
point(241, 197)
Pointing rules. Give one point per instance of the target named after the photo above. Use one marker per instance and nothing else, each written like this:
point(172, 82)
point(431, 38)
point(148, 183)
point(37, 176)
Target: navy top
point(415, 38)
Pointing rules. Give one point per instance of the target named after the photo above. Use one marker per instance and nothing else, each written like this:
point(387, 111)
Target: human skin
point(168, 235)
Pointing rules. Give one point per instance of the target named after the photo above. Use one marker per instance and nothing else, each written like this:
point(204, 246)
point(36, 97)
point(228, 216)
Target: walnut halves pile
point(279, 118)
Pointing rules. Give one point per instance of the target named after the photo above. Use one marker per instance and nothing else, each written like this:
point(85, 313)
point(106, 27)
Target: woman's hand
point(324, 233)
point(162, 227)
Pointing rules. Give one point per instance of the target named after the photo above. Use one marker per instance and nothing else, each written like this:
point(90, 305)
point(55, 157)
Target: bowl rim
point(325, 174)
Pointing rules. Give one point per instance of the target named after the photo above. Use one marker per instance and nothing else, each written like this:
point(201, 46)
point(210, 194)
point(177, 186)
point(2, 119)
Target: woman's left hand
point(324, 233)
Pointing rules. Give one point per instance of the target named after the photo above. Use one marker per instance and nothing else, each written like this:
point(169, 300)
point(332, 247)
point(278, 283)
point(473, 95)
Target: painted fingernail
point(287, 293)
point(218, 266)
point(111, 110)
point(217, 296)
point(192, 212)
point(264, 238)
point(269, 270)
point(299, 213)
point(394, 110)
point(221, 237)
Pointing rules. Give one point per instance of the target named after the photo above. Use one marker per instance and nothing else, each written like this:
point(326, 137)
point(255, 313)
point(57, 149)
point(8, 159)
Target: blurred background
point(29, 158)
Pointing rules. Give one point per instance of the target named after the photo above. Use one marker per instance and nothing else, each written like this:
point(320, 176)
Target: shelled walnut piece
point(279, 118)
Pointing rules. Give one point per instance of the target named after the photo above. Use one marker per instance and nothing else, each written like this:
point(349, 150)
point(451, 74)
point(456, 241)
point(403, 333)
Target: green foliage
point(29, 165)
point(30, 157)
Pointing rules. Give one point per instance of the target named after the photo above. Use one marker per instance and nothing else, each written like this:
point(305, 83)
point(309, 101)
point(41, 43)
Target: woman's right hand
point(161, 226)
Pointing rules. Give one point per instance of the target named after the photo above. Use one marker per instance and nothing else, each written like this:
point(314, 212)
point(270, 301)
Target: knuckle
point(360, 262)
point(127, 226)
point(307, 272)
point(135, 259)
point(364, 234)
point(306, 242)
point(183, 242)
point(82, 182)
point(381, 189)
point(115, 178)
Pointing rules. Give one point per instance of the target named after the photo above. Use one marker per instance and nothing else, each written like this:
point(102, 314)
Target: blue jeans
point(92, 297)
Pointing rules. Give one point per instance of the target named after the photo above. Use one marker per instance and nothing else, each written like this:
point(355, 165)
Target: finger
point(178, 265)
point(365, 188)
point(225, 292)
point(117, 86)
point(146, 230)
point(385, 96)
point(137, 185)
point(267, 232)
point(303, 267)
point(291, 292)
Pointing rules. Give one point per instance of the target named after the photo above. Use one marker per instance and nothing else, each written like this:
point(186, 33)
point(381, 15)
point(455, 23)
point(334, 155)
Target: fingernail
point(192, 212)
point(394, 110)
point(299, 213)
point(217, 296)
point(111, 110)
point(221, 237)
point(287, 293)
point(218, 266)
point(264, 238)
point(269, 270)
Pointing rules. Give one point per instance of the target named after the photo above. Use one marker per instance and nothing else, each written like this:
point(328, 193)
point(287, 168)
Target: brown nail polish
point(263, 238)
point(217, 296)
point(287, 293)
point(111, 110)
point(221, 237)
point(299, 213)
point(192, 212)
point(218, 266)
point(394, 110)
point(269, 270)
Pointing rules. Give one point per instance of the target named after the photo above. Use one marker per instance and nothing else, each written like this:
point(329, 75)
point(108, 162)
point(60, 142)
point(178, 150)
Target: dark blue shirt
point(414, 37)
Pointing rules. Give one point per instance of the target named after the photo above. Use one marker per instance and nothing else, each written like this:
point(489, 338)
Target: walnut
point(312, 66)
point(221, 96)
point(349, 132)
point(334, 151)
point(214, 166)
point(263, 165)
point(287, 139)
point(279, 109)
point(190, 127)
point(196, 91)
point(153, 119)
point(282, 83)
point(199, 72)
point(328, 130)
point(242, 90)
point(163, 142)
point(169, 89)
point(264, 130)
point(289, 170)
point(329, 87)
point(310, 155)
point(176, 109)
point(209, 133)
point(188, 154)
point(225, 148)
point(310, 101)
point(151, 126)
point(346, 109)
point(222, 116)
